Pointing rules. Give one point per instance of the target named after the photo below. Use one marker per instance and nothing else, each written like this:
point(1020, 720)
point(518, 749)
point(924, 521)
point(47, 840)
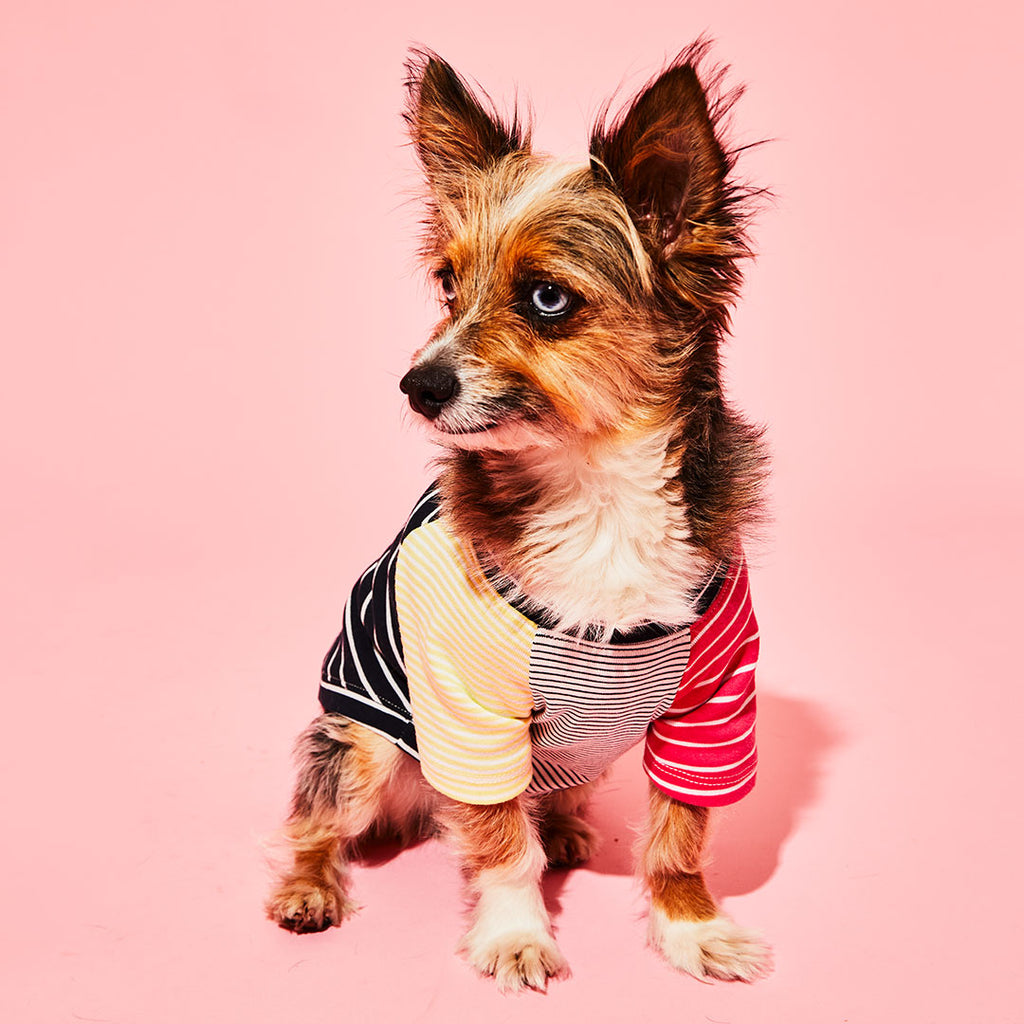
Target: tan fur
point(491, 836)
point(674, 838)
point(510, 933)
point(352, 784)
point(592, 463)
point(528, 217)
point(312, 894)
point(671, 856)
point(685, 924)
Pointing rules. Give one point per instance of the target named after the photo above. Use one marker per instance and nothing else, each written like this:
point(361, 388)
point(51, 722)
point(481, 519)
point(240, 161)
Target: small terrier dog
point(574, 582)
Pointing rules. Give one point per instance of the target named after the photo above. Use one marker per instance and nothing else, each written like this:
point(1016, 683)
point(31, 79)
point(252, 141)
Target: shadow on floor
point(794, 737)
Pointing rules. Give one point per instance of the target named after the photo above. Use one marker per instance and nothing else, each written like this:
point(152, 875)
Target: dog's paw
point(568, 841)
point(303, 906)
point(516, 961)
point(715, 948)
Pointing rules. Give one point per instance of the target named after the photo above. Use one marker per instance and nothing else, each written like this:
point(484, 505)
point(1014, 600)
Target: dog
point(574, 582)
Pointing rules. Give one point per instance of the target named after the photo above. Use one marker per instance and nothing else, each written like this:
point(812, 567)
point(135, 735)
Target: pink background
point(208, 297)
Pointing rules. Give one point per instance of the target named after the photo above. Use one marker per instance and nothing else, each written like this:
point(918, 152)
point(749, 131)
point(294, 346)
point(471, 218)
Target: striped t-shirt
point(493, 702)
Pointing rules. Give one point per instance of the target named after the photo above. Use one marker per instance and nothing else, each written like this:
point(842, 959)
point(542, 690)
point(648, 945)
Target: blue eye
point(549, 299)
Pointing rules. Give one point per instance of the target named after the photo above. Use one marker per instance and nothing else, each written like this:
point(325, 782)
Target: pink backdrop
point(208, 297)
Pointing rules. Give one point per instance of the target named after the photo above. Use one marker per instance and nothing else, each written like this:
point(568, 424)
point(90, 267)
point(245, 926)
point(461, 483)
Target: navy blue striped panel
point(363, 674)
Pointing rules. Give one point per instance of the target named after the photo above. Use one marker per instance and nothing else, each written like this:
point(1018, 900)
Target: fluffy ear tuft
point(664, 156)
point(451, 129)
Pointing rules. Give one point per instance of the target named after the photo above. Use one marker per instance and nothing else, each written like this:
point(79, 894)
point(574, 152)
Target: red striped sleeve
point(702, 750)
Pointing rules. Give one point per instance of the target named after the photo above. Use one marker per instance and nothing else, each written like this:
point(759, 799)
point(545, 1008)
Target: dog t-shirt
point(495, 703)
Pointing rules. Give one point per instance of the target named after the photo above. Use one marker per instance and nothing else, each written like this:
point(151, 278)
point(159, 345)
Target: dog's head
point(576, 298)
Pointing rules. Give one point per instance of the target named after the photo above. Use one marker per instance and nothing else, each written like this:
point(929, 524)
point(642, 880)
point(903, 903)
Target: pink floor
point(208, 296)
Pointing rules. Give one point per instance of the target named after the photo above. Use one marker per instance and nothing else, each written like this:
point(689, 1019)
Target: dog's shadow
point(794, 737)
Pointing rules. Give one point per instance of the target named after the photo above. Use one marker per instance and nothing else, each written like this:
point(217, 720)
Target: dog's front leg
point(685, 924)
point(510, 936)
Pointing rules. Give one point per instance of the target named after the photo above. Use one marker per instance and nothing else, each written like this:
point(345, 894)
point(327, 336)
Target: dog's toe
point(518, 961)
point(302, 906)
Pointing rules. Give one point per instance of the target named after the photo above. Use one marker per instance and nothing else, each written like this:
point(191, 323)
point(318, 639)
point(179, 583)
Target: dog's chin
point(510, 435)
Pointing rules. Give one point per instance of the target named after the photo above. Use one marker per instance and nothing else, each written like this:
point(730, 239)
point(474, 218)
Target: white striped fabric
point(702, 750)
point(493, 703)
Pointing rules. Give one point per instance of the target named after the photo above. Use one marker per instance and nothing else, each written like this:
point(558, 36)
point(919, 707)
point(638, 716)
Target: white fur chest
point(608, 543)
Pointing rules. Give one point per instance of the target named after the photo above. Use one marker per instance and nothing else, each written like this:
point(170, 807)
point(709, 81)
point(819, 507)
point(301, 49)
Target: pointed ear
point(451, 129)
point(664, 158)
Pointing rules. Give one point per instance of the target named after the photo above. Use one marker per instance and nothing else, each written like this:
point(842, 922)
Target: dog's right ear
point(451, 129)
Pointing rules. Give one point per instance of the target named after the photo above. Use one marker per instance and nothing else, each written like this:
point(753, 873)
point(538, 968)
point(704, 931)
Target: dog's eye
point(550, 300)
point(447, 282)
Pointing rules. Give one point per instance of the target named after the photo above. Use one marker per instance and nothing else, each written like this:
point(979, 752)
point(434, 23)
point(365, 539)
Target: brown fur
point(683, 897)
point(671, 856)
point(490, 836)
point(311, 895)
point(647, 240)
point(352, 785)
point(651, 238)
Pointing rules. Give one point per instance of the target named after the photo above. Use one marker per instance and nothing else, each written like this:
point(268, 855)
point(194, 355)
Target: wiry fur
point(352, 785)
point(603, 539)
point(649, 237)
point(591, 461)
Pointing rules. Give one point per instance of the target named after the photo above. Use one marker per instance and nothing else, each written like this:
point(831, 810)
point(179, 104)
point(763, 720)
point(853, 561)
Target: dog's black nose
point(430, 388)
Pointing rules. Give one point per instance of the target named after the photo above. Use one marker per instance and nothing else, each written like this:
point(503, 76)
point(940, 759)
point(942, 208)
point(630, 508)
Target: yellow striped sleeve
point(467, 656)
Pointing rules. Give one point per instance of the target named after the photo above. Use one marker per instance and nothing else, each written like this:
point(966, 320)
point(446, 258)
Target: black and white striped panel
point(594, 701)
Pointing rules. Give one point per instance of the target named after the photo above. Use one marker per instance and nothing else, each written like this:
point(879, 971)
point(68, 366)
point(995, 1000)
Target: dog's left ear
point(666, 161)
point(450, 127)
